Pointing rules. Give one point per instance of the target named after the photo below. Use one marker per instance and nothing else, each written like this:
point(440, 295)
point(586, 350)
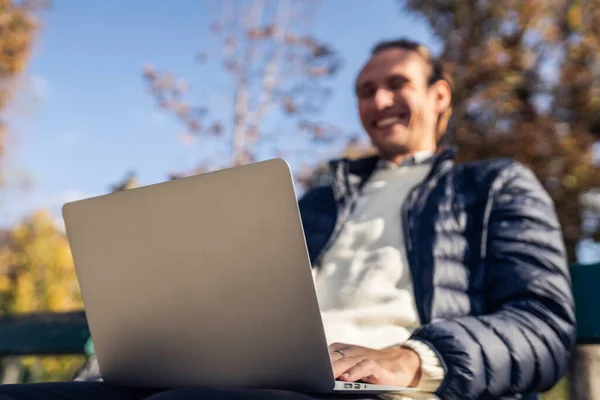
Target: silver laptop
point(203, 281)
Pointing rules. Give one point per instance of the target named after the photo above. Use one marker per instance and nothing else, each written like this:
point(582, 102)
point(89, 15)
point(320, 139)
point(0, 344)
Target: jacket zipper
point(412, 263)
point(407, 229)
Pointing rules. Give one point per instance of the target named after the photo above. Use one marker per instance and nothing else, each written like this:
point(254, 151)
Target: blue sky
point(84, 117)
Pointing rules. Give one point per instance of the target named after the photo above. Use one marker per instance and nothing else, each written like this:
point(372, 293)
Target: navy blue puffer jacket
point(490, 273)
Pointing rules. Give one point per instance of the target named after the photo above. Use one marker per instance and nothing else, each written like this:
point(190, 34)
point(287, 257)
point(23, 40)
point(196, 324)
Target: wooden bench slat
point(43, 334)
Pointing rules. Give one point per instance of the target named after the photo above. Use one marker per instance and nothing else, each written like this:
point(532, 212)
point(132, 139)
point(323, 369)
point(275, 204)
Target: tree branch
point(271, 77)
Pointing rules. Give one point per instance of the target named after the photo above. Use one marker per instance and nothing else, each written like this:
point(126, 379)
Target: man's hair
point(436, 72)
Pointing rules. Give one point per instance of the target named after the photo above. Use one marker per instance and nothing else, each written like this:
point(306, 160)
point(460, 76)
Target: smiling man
point(450, 278)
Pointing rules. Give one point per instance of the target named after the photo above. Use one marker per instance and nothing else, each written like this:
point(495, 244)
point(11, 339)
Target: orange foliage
point(18, 27)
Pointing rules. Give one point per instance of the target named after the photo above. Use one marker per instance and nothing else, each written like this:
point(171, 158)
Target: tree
point(526, 86)
point(278, 72)
point(18, 27)
point(38, 269)
point(37, 274)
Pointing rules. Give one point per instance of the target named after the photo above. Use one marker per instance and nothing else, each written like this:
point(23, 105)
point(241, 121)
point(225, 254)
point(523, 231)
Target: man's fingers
point(370, 371)
point(365, 368)
point(372, 366)
point(348, 350)
point(338, 346)
point(343, 364)
point(339, 350)
point(335, 355)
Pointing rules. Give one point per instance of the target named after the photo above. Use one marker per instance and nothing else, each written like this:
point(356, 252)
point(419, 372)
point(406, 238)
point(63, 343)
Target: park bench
point(67, 333)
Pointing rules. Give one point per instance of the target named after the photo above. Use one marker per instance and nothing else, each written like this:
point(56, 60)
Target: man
point(450, 278)
point(468, 258)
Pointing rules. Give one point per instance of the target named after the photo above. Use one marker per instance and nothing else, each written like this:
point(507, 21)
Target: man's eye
point(365, 92)
point(397, 84)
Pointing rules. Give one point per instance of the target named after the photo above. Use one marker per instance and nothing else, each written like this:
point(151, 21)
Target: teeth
point(384, 123)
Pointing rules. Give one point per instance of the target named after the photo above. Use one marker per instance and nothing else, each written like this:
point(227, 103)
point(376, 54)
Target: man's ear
point(443, 96)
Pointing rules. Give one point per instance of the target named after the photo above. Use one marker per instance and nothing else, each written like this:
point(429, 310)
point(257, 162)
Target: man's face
point(397, 107)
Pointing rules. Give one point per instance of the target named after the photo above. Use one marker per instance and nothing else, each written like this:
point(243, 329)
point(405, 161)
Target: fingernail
point(346, 375)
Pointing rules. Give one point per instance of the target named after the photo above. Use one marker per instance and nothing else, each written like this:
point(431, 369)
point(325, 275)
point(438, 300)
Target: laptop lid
point(201, 281)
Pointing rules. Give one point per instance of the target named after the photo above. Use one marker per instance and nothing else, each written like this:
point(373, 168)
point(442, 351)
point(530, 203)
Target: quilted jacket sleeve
point(523, 342)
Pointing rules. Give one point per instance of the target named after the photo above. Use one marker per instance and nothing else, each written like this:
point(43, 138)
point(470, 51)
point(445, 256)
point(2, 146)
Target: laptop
point(204, 281)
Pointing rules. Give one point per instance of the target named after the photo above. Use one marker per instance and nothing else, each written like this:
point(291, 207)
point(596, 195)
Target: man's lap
point(71, 391)
point(101, 390)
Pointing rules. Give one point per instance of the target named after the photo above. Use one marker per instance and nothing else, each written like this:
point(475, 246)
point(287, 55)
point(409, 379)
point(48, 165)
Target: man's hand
point(395, 366)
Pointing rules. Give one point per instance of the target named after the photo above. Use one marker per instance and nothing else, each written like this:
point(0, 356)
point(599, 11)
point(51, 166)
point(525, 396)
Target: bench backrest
point(43, 334)
point(68, 333)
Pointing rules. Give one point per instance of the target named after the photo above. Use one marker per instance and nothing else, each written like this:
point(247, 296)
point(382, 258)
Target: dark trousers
point(100, 390)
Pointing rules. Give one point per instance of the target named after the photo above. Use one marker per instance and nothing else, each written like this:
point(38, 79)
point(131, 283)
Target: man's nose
point(383, 98)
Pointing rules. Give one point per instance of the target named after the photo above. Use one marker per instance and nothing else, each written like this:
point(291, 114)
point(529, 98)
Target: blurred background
point(108, 95)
